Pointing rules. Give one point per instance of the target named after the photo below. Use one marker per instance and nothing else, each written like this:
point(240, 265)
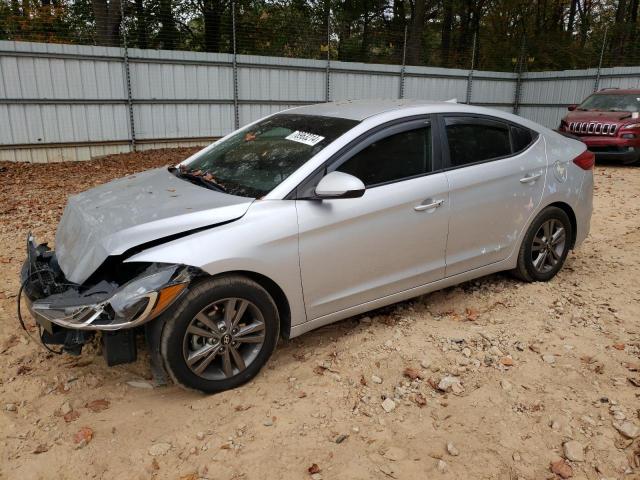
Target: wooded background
point(500, 35)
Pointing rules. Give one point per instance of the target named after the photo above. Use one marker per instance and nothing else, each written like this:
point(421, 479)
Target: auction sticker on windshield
point(304, 137)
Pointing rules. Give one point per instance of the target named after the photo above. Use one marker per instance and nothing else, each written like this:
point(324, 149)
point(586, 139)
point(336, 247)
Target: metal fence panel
point(71, 102)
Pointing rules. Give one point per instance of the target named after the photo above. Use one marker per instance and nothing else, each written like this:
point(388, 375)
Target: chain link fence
point(485, 34)
point(89, 77)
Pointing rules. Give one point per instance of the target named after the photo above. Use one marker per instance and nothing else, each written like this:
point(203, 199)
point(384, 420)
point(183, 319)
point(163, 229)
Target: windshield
point(256, 159)
point(612, 102)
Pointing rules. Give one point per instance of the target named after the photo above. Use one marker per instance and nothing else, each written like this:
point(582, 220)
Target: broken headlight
point(132, 304)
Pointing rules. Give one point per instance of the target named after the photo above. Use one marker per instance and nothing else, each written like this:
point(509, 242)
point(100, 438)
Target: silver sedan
point(301, 219)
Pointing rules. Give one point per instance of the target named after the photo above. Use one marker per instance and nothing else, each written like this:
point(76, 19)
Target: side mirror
point(340, 185)
point(572, 107)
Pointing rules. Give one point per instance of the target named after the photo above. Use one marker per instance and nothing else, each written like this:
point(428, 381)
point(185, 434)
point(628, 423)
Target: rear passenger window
point(521, 138)
point(473, 140)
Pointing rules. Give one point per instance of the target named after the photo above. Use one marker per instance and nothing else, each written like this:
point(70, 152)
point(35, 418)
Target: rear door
point(355, 250)
point(496, 173)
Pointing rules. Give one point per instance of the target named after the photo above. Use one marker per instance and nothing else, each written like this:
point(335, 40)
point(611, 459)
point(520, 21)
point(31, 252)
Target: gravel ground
point(492, 379)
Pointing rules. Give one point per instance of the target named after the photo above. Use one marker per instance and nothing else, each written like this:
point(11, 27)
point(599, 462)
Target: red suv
point(609, 123)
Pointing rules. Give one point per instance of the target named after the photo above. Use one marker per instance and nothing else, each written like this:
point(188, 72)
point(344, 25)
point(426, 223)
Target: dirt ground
point(542, 372)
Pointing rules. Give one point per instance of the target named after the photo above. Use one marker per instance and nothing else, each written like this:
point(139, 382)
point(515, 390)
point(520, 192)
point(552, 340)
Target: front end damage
point(115, 300)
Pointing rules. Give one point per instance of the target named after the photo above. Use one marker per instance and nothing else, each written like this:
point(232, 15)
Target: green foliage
point(509, 34)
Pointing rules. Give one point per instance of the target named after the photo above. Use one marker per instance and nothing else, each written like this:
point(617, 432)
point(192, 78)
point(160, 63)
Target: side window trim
point(376, 137)
point(481, 120)
point(365, 139)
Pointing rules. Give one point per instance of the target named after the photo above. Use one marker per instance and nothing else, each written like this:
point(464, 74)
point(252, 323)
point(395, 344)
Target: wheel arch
point(572, 217)
point(273, 289)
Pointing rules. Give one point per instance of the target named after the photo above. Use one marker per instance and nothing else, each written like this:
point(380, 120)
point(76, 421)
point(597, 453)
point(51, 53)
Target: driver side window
point(396, 157)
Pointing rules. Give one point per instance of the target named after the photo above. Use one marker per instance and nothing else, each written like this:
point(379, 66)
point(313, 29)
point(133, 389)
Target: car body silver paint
point(491, 202)
point(263, 241)
point(266, 239)
point(353, 250)
point(338, 183)
point(114, 217)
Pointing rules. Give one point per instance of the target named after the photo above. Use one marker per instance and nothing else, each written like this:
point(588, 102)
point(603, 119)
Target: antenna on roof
point(452, 100)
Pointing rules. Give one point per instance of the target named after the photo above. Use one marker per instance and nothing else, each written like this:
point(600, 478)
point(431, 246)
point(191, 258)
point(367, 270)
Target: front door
point(355, 250)
point(496, 173)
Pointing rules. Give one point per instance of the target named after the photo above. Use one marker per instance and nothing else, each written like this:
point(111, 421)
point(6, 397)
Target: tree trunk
point(212, 13)
point(107, 17)
point(364, 46)
point(447, 22)
point(416, 29)
point(141, 14)
point(168, 33)
point(572, 16)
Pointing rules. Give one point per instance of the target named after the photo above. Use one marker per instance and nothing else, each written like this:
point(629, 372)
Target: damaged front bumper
point(104, 305)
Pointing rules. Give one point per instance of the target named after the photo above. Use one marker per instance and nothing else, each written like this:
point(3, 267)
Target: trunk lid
point(119, 215)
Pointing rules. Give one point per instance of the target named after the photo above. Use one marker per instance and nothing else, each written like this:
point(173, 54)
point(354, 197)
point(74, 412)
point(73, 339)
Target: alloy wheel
point(224, 338)
point(548, 245)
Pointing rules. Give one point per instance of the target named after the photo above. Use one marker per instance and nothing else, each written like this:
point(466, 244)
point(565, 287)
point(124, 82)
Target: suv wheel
point(220, 334)
point(545, 246)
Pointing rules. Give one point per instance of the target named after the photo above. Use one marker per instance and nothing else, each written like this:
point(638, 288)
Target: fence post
point(404, 62)
point(236, 113)
point(596, 84)
point(127, 75)
point(327, 89)
point(520, 67)
point(470, 77)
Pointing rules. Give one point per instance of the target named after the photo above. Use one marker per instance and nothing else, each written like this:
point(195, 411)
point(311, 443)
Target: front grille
point(593, 128)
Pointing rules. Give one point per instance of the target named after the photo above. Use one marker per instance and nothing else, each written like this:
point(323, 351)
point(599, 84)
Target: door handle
point(428, 206)
point(530, 178)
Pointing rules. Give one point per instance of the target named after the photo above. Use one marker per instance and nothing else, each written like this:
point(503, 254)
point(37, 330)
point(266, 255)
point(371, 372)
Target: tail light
point(586, 160)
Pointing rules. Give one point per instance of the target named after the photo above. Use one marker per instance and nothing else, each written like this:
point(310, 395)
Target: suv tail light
point(586, 160)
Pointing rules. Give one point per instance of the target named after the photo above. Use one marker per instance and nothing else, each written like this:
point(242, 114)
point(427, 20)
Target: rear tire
point(545, 246)
point(219, 335)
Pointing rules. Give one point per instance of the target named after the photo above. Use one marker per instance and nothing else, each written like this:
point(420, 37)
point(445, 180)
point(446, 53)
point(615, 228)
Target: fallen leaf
point(23, 369)
point(319, 370)
point(43, 447)
point(471, 314)
point(412, 373)
point(242, 408)
point(154, 464)
point(97, 405)
point(561, 468)
point(9, 343)
point(618, 346)
point(507, 361)
point(84, 435)
point(190, 476)
point(71, 416)
point(314, 468)
point(632, 367)
point(420, 400)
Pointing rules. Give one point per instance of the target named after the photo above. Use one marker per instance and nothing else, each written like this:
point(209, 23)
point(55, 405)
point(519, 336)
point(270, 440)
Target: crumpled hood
point(114, 217)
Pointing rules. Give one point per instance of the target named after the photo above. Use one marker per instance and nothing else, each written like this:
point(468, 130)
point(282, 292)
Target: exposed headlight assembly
point(132, 304)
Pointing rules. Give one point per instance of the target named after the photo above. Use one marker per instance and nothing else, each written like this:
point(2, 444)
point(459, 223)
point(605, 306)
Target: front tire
point(545, 246)
point(219, 335)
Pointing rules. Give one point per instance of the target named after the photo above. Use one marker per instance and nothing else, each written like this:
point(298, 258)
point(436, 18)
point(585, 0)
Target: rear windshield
point(612, 102)
point(256, 159)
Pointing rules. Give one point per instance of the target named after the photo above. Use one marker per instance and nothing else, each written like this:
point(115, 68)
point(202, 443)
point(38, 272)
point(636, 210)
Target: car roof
point(361, 109)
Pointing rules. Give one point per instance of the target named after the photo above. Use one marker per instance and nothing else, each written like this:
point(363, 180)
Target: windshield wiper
point(200, 180)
